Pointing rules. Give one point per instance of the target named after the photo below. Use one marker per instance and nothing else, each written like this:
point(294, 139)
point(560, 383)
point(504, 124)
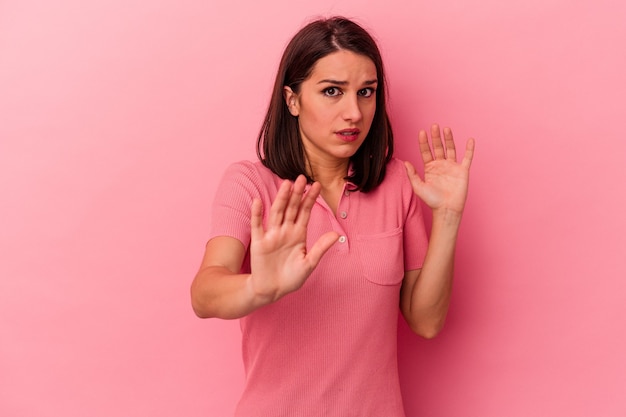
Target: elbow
point(201, 313)
point(427, 329)
point(200, 310)
point(206, 308)
point(428, 333)
point(199, 306)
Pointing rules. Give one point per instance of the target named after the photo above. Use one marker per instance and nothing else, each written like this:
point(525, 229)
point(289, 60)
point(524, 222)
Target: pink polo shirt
point(329, 349)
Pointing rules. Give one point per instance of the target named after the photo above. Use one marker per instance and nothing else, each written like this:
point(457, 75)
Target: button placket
point(335, 224)
point(343, 209)
point(344, 204)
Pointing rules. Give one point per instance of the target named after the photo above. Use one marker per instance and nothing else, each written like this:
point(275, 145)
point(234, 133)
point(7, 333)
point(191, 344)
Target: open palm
point(279, 259)
point(445, 182)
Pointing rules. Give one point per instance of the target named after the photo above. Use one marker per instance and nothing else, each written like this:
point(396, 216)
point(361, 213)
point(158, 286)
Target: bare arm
point(279, 259)
point(425, 295)
point(219, 290)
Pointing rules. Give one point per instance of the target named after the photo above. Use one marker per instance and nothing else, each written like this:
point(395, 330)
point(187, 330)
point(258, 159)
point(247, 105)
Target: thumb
point(414, 178)
point(314, 255)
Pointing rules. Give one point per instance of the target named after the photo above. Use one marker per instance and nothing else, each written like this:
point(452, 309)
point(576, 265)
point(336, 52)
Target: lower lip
point(348, 138)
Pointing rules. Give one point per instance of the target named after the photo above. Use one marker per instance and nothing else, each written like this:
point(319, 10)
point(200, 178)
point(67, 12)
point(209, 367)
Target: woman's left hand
point(445, 183)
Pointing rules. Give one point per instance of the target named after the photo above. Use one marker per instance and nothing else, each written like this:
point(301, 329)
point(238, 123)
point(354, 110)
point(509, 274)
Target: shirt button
point(343, 214)
point(342, 239)
point(347, 193)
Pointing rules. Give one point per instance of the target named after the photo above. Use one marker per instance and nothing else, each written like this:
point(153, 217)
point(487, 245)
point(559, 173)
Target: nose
point(351, 108)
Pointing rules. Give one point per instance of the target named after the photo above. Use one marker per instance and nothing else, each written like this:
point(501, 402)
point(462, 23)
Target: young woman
point(316, 245)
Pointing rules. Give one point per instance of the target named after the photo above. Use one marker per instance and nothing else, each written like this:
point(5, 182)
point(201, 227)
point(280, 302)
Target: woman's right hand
point(279, 259)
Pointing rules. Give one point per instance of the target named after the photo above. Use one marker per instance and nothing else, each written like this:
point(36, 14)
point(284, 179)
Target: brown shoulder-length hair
point(279, 145)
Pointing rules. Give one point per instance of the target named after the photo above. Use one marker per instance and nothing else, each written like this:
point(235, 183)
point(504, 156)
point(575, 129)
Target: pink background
point(118, 117)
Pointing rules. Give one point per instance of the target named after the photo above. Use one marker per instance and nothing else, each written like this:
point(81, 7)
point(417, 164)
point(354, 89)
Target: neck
point(331, 178)
point(329, 174)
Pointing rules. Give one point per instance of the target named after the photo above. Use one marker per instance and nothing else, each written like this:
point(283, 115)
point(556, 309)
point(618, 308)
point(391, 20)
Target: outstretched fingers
point(442, 148)
point(425, 152)
point(469, 153)
point(435, 135)
point(293, 205)
point(307, 204)
point(256, 220)
point(277, 211)
point(450, 148)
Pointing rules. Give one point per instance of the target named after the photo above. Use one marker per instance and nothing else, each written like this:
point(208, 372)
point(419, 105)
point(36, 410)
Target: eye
point(331, 91)
point(366, 92)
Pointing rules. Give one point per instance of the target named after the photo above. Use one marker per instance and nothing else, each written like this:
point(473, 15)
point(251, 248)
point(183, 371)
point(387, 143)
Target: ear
point(291, 100)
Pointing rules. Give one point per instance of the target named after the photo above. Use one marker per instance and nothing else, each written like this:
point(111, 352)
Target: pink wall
point(117, 118)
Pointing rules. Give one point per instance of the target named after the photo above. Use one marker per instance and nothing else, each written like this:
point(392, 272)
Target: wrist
point(447, 217)
point(257, 296)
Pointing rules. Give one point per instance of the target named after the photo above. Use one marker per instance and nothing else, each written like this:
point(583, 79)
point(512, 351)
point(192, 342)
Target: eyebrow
point(329, 81)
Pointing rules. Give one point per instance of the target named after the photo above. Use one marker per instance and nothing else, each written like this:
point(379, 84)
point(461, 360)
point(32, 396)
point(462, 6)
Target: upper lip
point(353, 131)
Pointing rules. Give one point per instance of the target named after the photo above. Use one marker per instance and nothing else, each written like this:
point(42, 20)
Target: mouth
point(348, 135)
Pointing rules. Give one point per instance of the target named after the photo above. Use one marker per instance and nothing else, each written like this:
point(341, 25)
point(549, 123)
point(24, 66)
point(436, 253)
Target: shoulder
point(395, 172)
point(396, 186)
point(249, 172)
point(249, 179)
point(396, 166)
point(245, 168)
point(396, 181)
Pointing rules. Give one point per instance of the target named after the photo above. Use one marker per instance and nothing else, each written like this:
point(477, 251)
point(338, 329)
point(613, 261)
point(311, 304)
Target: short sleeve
point(415, 237)
point(230, 213)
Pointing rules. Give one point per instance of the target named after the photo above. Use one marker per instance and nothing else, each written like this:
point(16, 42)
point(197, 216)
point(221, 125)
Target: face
point(335, 106)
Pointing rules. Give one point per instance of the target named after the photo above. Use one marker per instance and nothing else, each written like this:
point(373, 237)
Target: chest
point(371, 238)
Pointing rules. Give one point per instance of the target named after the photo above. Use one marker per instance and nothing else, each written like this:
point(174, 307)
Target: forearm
point(218, 292)
point(429, 297)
